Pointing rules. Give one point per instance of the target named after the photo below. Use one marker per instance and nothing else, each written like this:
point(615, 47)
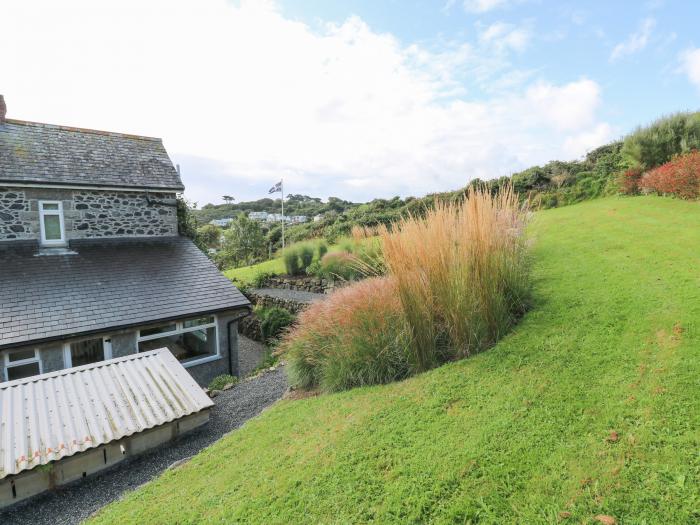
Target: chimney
point(3, 109)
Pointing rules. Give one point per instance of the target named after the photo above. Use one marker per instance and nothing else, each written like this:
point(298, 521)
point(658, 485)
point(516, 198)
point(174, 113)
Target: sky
point(356, 99)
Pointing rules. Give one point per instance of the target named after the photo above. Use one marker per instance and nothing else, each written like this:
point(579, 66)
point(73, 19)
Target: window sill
point(187, 364)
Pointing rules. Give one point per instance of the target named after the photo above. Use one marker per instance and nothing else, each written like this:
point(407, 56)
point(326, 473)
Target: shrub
point(273, 321)
point(261, 278)
point(357, 336)
point(291, 261)
point(339, 265)
point(306, 256)
point(629, 181)
point(314, 269)
point(680, 177)
point(219, 382)
point(461, 274)
point(661, 141)
point(322, 249)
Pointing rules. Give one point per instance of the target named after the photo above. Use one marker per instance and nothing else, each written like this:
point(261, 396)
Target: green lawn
point(518, 434)
point(246, 274)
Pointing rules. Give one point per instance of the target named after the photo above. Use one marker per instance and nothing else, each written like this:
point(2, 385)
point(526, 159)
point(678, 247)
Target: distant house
point(221, 223)
point(318, 218)
point(258, 215)
point(91, 263)
point(298, 219)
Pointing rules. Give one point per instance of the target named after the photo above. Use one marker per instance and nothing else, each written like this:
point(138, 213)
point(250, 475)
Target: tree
point(210, 235)
point(228, 199)
point(244, 243)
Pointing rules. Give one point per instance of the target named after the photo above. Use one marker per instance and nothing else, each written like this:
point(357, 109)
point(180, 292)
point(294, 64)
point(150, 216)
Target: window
point(192, 341)
point(51, 223)
point(22, 363)
point(87, 351)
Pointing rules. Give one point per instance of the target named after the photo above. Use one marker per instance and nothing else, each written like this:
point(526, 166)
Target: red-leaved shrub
point(629, 181)
point(679, 177)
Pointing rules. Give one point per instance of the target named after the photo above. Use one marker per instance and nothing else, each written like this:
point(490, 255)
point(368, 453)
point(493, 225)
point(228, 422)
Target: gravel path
point(250, 355)
point(290, 295)
point(76, 502)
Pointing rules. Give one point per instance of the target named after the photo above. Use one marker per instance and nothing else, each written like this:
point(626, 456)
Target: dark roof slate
point(107, 285)
point(31, 152)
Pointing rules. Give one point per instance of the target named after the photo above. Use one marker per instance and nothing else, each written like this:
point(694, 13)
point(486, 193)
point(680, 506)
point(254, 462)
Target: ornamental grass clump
point(456, 281)
point(358, 336)
point(461, 273)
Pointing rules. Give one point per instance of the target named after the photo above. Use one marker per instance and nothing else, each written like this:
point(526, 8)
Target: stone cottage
point(91, 263)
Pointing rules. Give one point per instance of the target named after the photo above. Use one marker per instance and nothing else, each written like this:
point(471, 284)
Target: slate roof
point(108, 284)
point(31, 152)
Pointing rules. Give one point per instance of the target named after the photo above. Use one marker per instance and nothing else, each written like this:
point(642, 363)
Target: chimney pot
point(3, 109)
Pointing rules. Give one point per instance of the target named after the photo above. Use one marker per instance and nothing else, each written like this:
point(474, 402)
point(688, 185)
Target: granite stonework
point(88, 213)
point(124, 342)
point(15, 220)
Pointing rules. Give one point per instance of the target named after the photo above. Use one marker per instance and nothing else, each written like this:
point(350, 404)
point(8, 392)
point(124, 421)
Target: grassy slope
point(516, 434)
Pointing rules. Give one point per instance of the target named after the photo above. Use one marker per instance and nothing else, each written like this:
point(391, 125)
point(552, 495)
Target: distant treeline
point(556, 183)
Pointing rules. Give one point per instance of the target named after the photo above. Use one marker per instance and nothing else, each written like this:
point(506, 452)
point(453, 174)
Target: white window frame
point(180, 329)
point(59, 213)
point(68, 358)
point(29, 361)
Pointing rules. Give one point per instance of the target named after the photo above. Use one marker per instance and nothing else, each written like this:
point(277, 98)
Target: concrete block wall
point(24, 485)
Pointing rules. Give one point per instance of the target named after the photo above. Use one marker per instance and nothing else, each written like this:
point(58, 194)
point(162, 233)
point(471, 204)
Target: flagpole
point(282, 188)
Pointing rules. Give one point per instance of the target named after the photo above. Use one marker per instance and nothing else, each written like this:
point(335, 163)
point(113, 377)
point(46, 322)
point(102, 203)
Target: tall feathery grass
point(356, 337)
point(456, 281)
point(461, 273)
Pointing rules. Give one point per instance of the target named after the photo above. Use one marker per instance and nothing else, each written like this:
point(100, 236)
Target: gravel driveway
point(74, 503)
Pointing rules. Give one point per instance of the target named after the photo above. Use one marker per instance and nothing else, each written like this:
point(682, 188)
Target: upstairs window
point(51, 221)
point(22, 363)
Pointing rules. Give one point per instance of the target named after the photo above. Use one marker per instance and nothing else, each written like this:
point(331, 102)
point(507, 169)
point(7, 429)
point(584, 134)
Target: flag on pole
point(277, 187)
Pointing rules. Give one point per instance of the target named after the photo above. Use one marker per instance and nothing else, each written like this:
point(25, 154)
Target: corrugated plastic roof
point(51, 416)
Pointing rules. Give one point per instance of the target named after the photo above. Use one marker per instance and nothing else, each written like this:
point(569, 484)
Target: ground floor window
point(190, 340)
point(87, 351)
point(22, 363)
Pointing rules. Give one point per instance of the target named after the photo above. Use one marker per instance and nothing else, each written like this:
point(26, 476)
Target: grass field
point(590, 407)
point(246, 274)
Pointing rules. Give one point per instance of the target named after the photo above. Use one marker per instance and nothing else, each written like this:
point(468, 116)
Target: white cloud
point(242, 95)
point(482, 6)
point(568, 108)
point(503, 36)
point(587, 140)
point(690, 65)
point(635, 42)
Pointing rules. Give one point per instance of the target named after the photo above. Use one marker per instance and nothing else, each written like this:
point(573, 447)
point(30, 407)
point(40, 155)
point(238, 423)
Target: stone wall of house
point(87, 213)
point(15, 220)
point(121, 214)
